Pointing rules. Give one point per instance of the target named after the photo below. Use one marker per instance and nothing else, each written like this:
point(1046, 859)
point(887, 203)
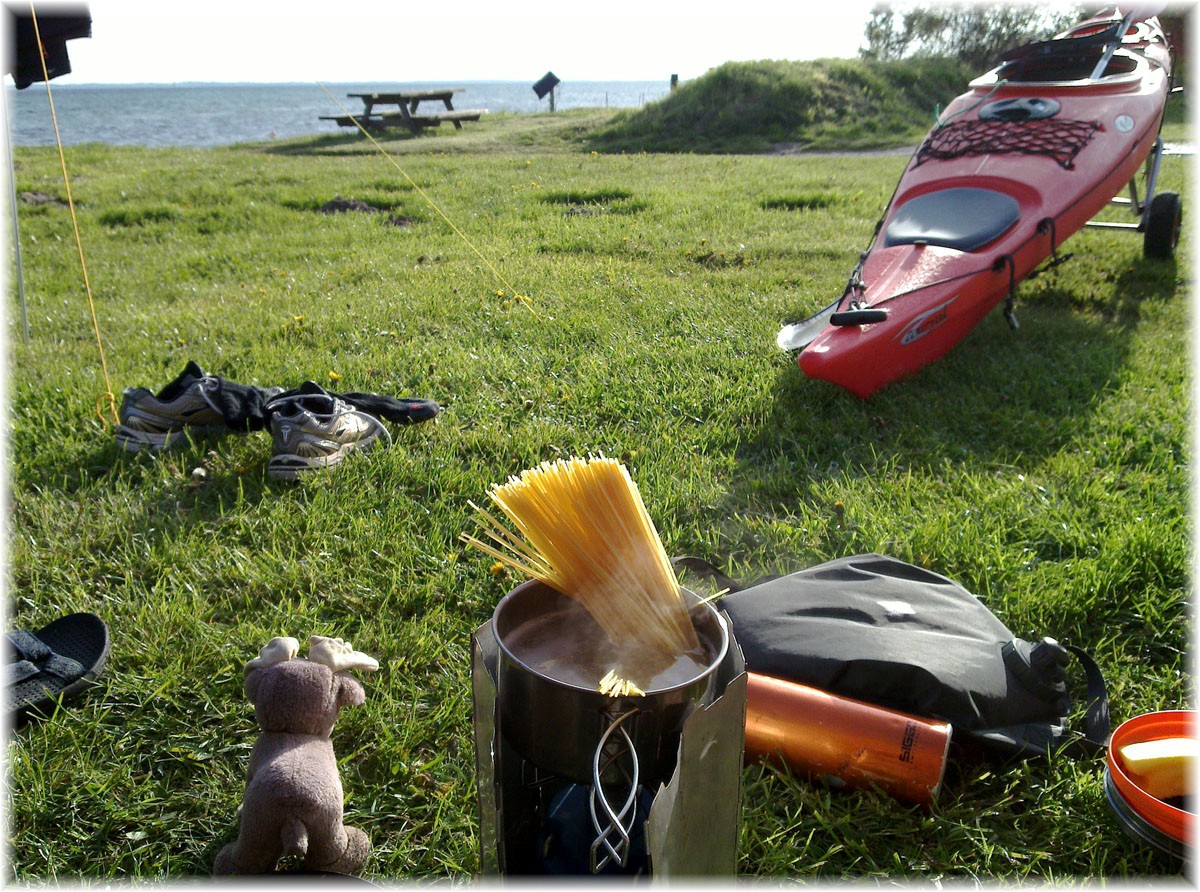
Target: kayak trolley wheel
point(1164, 218)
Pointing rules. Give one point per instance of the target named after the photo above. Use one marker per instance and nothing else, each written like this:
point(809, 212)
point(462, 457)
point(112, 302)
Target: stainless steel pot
point(562, 726)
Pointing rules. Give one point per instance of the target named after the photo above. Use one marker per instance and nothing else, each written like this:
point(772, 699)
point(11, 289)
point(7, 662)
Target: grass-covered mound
point(823, 104)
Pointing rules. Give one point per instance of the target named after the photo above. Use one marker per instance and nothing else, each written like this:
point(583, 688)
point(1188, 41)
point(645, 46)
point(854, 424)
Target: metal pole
point(12, 200)
point(1098, 71)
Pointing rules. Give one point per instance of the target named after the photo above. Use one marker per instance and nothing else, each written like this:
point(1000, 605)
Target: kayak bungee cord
point(87, 285)
point(523, 298)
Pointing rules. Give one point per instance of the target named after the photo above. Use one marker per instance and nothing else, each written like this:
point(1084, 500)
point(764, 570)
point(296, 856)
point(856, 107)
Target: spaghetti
point(584, 530)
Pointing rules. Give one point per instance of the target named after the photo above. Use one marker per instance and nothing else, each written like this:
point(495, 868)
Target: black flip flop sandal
point(55, 663)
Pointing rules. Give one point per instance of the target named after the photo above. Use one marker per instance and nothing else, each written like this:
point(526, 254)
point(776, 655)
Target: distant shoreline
point(200, 114)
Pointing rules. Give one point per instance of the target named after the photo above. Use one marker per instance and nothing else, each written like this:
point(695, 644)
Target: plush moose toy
point(293, 799)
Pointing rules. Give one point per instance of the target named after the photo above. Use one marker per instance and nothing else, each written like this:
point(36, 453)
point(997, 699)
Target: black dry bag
point(893, 634)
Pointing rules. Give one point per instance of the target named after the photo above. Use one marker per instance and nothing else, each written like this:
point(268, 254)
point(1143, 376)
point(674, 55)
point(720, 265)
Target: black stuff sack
point(893, 634)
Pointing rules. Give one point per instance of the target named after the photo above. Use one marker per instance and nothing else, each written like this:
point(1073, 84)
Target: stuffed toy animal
point(293, 799)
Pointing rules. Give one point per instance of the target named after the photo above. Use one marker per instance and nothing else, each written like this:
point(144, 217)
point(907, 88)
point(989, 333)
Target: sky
point(164, 41)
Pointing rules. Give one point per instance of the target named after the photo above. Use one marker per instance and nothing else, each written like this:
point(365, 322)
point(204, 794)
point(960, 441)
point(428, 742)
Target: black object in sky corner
point(56, 24)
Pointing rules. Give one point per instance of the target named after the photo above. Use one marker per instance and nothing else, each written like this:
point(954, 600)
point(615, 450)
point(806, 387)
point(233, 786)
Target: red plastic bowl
point(1174, 822)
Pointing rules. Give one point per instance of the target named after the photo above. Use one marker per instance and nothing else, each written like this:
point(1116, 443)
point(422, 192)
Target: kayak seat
point(964, 218)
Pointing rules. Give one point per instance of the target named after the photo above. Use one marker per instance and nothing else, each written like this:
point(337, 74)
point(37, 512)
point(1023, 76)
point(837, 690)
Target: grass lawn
point(581, 303)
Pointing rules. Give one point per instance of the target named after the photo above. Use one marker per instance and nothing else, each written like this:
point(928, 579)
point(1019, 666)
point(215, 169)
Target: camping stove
point(571, 781)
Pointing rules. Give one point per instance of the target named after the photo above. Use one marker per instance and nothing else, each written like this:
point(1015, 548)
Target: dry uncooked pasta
point(584, 530)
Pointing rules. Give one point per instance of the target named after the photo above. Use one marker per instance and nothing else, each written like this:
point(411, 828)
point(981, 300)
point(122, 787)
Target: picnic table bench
point(407, 102)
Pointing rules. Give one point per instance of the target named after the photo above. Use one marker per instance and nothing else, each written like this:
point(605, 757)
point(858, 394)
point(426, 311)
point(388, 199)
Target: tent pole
point(12, 200)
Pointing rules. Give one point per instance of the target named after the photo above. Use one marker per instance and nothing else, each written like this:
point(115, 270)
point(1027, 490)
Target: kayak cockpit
point(962, 218)
point(1104, 50)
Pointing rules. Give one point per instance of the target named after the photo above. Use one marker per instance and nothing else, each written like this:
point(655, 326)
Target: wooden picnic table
point(407, 103)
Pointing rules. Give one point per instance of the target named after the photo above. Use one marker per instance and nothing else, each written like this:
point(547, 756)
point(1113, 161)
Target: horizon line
point(298, 83)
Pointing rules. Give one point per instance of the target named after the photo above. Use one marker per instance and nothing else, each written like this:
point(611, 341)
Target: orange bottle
point(816, 732)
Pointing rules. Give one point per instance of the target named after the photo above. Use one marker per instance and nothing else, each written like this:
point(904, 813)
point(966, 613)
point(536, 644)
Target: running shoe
point(312, 429)
point(162, 420)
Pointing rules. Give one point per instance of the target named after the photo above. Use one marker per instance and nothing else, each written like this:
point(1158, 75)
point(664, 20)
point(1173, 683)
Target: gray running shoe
point(313, 429)
point(150, 421)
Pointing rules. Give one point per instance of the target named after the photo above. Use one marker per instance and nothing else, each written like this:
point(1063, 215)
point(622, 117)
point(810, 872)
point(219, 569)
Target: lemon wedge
point(1162, 768)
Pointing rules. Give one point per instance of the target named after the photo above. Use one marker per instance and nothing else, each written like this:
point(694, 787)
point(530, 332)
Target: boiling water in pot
point(568, 645)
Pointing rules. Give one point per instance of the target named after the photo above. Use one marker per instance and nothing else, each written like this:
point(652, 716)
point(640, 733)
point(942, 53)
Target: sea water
point(223, 114)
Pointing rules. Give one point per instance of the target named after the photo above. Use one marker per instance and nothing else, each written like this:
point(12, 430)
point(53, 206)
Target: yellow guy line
point(523, 298)
point(87, 285)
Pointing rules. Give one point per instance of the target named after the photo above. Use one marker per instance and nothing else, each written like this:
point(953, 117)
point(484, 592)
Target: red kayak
point(1017, 164)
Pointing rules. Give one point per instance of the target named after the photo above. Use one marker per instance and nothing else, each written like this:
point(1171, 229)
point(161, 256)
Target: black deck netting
point(1060, 139)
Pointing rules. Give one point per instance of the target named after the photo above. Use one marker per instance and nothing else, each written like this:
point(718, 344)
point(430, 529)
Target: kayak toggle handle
point(1047, 226)
point(1010, 314)
point(858, 314)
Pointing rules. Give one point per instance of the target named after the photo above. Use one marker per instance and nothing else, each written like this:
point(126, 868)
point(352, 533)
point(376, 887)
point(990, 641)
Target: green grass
point(1045, 469)
point(822, 104)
